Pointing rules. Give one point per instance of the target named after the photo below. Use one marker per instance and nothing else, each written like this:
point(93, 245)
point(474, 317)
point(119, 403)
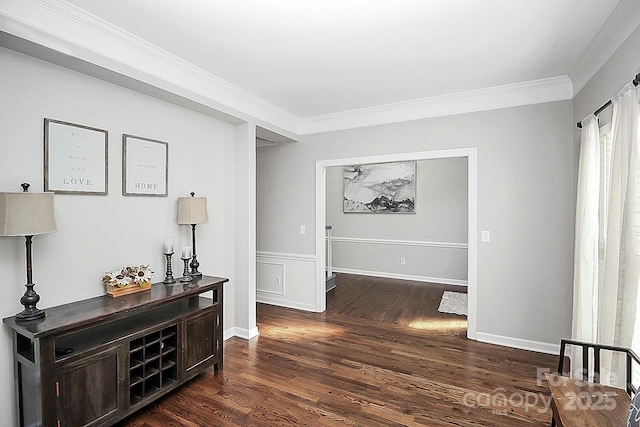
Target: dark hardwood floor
point(377, 357)
point(379, 299)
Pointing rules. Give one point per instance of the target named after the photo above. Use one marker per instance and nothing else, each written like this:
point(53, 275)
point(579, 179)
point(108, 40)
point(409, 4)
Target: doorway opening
point(321, 188)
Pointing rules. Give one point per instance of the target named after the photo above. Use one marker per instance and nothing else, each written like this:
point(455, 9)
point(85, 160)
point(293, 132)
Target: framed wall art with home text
point(144, 166)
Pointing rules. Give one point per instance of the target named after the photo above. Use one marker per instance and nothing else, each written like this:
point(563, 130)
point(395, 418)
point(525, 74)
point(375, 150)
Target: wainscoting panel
point(286, 280)
point(270, 277)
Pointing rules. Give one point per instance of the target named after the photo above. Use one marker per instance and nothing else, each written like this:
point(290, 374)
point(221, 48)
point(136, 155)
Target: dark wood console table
point(115, 355)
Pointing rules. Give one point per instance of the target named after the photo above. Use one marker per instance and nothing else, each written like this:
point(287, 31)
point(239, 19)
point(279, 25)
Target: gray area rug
point(453, 302)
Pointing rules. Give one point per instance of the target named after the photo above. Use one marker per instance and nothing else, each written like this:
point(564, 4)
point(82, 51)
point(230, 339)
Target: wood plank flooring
point(357, 364)
point(379, 299)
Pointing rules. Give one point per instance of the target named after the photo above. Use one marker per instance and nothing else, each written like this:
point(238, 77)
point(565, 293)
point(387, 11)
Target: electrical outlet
point(277, 280)
point(303, 229)
point(403, 261)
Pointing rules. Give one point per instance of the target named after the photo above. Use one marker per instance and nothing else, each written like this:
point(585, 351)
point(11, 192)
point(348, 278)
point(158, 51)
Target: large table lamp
point(192, 211)
point(27, 214)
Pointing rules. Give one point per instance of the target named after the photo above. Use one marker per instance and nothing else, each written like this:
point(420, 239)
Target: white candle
point(167, 247)
point(186, 252)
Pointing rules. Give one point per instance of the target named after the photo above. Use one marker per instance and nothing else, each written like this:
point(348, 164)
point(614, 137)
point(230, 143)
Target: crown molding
point(71, 31)
point(512, 95)
point(617, 28)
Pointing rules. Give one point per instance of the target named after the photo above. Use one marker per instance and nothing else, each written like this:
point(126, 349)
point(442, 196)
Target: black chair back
point(631, 358)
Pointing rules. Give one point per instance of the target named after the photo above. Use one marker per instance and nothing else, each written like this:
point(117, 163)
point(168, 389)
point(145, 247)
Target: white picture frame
point(145, 166)
point(75, 158)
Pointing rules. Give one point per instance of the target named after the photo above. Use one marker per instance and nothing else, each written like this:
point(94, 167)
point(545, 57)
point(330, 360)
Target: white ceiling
point(316, 57)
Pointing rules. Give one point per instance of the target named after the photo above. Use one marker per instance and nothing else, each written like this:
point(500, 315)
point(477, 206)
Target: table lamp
point(27, 214)
point(192, 210)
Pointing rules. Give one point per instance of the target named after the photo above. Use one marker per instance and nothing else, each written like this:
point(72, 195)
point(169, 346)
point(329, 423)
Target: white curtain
point(585, 269)
point(607, 249)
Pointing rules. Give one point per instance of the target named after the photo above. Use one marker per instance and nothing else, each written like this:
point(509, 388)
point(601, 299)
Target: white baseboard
point(274, 300)
point(228, 333)
point(541, 347)
point(247, 334)
point(441, 280)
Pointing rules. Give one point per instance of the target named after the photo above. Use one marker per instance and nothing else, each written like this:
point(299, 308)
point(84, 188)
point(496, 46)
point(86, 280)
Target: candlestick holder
point(168, 277)
point(185, 274)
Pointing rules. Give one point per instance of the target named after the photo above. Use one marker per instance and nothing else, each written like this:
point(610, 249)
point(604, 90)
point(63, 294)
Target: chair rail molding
point(286, 256)
point(396, 242)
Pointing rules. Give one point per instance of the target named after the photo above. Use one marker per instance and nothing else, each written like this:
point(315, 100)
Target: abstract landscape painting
point(380, 188)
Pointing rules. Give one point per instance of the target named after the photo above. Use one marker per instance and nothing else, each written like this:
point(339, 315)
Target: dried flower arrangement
point(127, 280)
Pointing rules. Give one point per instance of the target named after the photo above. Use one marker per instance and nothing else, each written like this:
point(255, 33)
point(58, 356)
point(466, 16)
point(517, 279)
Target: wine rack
point(152, 363)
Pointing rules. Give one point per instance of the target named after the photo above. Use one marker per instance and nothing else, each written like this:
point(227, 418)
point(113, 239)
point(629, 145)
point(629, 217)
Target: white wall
point(526, 162)
point(620, 69)
point(96, 233)
point(244, 239)
point(432, 240)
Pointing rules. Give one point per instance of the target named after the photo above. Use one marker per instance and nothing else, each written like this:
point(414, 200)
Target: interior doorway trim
point(472, 220)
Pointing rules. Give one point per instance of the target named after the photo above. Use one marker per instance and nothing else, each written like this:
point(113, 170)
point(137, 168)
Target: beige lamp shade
point(26, 214)
point(192, 210)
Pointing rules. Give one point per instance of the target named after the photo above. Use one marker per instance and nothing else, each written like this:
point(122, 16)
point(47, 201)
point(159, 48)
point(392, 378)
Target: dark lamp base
point(29, 300)
point(194, 267)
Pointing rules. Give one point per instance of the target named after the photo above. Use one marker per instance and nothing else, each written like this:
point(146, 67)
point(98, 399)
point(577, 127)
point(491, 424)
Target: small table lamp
point(192, 210)
point(27, 214)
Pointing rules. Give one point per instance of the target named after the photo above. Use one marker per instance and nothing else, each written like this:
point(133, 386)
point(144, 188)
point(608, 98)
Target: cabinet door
point(89, 389)
point(200, 339)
